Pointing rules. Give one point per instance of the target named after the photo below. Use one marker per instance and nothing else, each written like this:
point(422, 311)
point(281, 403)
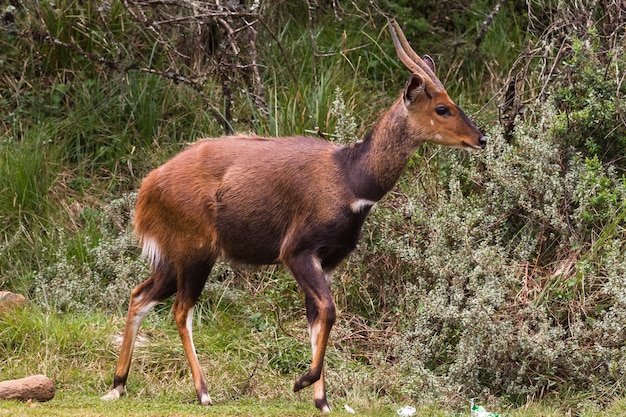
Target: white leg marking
point(142, 313)
point(189, 330)
point(319, 390)
point(314, 332)
point(328, 275)
point(205, 400)
point(317, 263)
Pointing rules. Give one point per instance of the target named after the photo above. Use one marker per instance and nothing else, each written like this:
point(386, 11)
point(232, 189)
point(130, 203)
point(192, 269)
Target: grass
point(81, 405)
point(74, 137)
point(75, 401)
point(79, 353)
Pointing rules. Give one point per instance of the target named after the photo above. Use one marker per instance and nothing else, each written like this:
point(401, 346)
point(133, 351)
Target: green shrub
point(95, 269)
point(510, 289)
point(590, 97)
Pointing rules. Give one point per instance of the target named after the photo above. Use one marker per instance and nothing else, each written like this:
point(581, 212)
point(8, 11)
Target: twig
point(229, 32)
point(280, 324)
point(509, 110)
point(313, 40)
point(486, 23)
point(212, 15)
point(282, 50)
point(140, 17)
point(253, 58)
point(342, 52)
point(147, 23)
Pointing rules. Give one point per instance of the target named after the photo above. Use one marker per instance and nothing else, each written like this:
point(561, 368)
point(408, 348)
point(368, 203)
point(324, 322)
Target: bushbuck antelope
point(299, 201)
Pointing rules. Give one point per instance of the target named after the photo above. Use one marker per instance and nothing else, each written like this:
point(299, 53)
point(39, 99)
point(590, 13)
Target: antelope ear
point(414, 87)
point(429, 61)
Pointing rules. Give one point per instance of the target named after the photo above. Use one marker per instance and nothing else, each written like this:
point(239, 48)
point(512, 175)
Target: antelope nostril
point(482, 141)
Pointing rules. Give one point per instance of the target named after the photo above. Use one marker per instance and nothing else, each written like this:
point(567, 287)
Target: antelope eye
point(442, 111)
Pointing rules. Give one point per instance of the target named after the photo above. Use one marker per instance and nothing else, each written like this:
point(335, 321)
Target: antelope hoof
point(205, 399)
point(323, 405)
point(306, 380)
point(111, 395)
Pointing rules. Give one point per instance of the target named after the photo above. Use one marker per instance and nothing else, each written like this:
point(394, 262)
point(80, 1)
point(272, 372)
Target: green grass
point(78, 352)
point(75, 402)
point(67, 404)
point(26, 177)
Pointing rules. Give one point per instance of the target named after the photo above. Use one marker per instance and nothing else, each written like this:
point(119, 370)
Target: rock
point(10, 301)
point(36, 387)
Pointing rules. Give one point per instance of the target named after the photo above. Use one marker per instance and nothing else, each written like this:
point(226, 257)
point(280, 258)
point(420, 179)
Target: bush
point(96, 269)
point(590, 99)
point(516, 278)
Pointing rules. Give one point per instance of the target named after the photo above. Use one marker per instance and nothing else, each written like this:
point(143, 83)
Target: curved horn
point(406, 53)
point(404, 57)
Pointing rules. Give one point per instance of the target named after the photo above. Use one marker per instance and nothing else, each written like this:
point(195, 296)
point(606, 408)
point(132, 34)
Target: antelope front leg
point(321, 316)
point(319, 386)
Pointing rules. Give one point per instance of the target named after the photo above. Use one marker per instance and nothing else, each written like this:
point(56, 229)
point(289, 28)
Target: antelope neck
point(373, 166)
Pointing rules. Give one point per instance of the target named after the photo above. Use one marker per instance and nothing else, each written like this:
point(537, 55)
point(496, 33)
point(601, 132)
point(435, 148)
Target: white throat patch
point(357, 206)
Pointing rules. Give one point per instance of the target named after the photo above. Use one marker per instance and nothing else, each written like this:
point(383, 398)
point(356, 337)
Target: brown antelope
point(298, 201)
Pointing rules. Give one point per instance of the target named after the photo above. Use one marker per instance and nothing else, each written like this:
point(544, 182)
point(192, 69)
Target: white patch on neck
point(317, 264)
point(359, 205)
point(328, 276)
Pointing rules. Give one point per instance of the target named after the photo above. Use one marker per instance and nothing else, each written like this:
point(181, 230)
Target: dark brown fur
point(298, 201)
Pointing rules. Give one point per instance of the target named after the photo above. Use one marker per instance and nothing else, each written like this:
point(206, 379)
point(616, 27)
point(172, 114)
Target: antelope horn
point(406, 60)
point(408, 56)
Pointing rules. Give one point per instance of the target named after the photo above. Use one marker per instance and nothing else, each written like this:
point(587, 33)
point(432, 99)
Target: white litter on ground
point(407, 411)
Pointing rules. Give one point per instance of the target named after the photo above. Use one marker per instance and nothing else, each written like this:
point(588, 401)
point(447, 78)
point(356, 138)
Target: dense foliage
point(494, 274)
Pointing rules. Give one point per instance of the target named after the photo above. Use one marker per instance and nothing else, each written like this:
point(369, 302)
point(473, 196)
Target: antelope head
point(431, 111)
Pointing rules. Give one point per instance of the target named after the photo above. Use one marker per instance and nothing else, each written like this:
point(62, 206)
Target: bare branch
point(486, 23)
point(282, 50)
point(125, 68)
